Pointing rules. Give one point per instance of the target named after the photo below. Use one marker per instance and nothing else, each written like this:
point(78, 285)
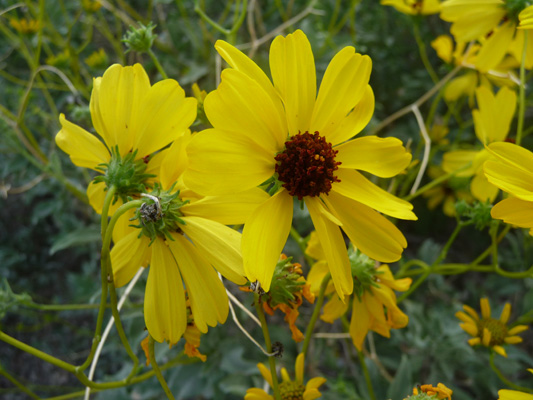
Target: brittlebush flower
point(492, 122)
point(488, 331)
point(285, 134)
point(374, 305)
point(414, 7)
point(511, 170)
point(506, 394)
point(494, 24)
point(289, 389)
point(185, 245)
point(135, 121)
point(438, 392)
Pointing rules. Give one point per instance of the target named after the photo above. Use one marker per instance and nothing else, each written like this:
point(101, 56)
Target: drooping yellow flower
point(185, 243)
point(289, 389)
point(493, 23)
point(440, 391)
point(374, 305)
point(506, 394)
point(135, 120)
point(511, 170)
point(25, 25)
point(492, 122)
point(414, 7)
point(488, 331)
point(287, 132)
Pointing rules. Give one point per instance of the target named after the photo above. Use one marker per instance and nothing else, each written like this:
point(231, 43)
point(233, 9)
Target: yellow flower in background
point(185, 243)
point(286, 136)
point(414, 7)
point(440, 391)
point(97, 59)
point(135, 120)
point(25, 25)
point(289, 389)
point(374, 305)
point(493, 23)
point(488, 331)
point(447, 193)
point(492, 122)
point(511, 170)
point(506, 394)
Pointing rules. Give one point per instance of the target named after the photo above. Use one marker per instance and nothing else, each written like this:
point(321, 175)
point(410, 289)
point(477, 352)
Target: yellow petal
point(471, 312)
point(265, 372)
point(513, 155)
point(356, 120)
point(117, 100)
point(285, 375)
point(219, 244)
point(299, 368)
point(355, 186)
point(166, 115)
point(229, 209)
point(514, 211)
point(482, 189)
point(272, 220)
point(342, 87)
point(165, 312)
point(226, 162)
point(209, 301)
point(506, 394)
point(526, 18)
point(500, 350)
point(369, 231)
point(443, 45)
point(315, 383)
point(293, 73)
point(128, 255)
point(334, 309)
point(96, 192)
point(359, 323)
point(454, 160)
point(510, 179)
point(464, 317)
point(383, 157)
point(334, 247)
point(485, 308)
point(240, 62)
point(84, 149)
point(175, 161)
point(257, 394)
point(463, 85)
point(513, 340)
point(314, 248)
point(517, 329)
point(241, 105)
point(493, 120)
point(495, 48)
point(485, 337)
point(474, 341)
point(470, 328)
point(317, 274)
point(311, 394)
point(506, 312)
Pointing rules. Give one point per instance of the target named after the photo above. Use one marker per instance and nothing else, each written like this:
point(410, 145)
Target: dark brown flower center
point(306, 165)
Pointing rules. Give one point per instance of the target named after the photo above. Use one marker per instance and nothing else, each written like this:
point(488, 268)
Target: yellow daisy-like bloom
point(200, 242)
point(506, 394)
point(414, 7)
point(511, 169)
point(493, 23)
point(489, 332)
point(132, 116)
point(374, 305)
point(492, 122)
point(289, 389)
point(286, 131)
point(441, 391)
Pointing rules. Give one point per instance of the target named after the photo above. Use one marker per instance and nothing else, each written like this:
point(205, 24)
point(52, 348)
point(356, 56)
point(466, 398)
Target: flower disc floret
point(290, 390)
point(497, 329)
point(306, 165)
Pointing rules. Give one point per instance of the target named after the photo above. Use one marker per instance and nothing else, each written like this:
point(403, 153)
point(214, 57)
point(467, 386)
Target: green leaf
point(76, 238)
point(402, 385)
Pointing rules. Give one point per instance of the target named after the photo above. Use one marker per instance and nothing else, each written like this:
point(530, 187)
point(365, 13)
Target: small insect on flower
point(151, 212)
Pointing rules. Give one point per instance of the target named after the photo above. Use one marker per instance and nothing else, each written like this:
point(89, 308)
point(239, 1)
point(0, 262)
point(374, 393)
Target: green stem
point(504, 379)
point(522, 93)
point(316, 313)
point(422, 51)
point(15, 382)
point(268, 345)
point(157, 370)
point(366, 374)
point(157, 64)
point(110, 194)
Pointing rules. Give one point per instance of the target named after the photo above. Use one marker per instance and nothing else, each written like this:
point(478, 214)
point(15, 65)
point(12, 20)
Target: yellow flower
point(441, 391)
point(492, 122)
point(97, 59)
point(512, 171)
point(488, 331)
point(286, 132)
point(374, 305)
point(91, 6)
point(414, 7)
point(289, 389)
point(133, 118)
point(506, 394)
point(526, 18)
point(493, 23)
point(183, 257)
point(25, 26)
